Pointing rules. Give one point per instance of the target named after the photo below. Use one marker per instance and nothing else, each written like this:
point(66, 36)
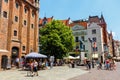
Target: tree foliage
point(56, 39)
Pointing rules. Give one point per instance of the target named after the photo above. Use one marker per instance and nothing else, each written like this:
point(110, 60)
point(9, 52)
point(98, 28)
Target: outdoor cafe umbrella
point(35, 55)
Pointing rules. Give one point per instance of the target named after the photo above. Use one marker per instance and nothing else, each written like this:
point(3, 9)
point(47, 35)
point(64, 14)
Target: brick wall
point(0, 7)
point(27, 35)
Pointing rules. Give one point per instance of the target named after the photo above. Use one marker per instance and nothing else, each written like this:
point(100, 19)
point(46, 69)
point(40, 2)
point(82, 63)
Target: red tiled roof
point(82, 23)
point(48, 20)
point(66, 22)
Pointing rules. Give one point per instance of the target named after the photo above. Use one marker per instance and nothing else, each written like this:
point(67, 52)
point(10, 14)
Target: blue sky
point(82, 9)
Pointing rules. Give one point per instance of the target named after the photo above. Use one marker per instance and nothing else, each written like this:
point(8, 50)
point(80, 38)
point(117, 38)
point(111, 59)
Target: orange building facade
point(18, 28)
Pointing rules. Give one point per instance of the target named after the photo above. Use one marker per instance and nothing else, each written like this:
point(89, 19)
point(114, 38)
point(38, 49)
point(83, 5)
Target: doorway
point(14, 55)
point(4, 62)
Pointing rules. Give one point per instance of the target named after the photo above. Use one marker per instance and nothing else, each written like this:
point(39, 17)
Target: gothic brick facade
point(18, 28)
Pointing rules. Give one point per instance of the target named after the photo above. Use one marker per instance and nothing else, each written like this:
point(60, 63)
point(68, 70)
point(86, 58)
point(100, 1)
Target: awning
point(71, 57)
point(35, 55)
point(95, 55)
point(78, 57)
point(118, 58)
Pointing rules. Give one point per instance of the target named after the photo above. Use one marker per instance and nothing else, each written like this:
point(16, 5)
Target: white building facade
point(117, 48)
point(80, 35)
point(95, 41)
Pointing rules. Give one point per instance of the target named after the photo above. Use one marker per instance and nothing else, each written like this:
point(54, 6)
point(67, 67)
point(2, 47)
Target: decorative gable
point(77, 27)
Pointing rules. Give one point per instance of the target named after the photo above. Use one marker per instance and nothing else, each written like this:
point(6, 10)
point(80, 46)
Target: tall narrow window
point(25, 23)
point(85, 54)
point(6, 1)
point(31, 50)
point(16, 19)
point(76, 39)
point(94, 31)
point(4, 14)
point(17, 5)
point(33, 14)
point(25, 10)
point(15, 33)
point(32, 26)
point(23, 48)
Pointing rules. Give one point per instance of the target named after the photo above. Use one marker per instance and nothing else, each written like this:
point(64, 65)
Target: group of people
point(34, 65)
point(32, 68)
point(108, 64)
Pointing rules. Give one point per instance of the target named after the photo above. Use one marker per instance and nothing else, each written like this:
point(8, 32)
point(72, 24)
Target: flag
point(90, 40)
point(94, 46)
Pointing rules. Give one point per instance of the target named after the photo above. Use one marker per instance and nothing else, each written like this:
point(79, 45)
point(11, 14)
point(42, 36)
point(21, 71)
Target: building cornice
point(31, 5)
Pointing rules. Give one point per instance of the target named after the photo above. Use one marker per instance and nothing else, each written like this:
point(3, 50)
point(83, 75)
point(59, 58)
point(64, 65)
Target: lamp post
point(80, 49)
point(91, 47)
point(92, 56)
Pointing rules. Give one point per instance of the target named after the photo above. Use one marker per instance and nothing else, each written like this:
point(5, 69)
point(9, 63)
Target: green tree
point(56, 39)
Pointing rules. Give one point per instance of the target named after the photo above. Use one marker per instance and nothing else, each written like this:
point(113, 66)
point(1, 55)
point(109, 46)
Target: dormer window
point(44, 22)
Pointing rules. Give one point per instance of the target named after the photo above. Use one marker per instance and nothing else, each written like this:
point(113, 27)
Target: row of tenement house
point(91, 37)
point(19, 20)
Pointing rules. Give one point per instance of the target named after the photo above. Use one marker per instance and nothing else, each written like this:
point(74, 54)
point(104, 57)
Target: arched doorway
point(4, 61)
point(14, 55)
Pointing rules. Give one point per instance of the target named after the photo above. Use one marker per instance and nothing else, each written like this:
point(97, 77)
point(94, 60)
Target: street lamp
point(91, 47)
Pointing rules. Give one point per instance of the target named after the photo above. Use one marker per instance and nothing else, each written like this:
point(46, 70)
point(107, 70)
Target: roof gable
point(77, 27)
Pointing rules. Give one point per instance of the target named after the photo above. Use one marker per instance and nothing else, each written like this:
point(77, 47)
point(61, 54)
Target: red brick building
point(18, 28)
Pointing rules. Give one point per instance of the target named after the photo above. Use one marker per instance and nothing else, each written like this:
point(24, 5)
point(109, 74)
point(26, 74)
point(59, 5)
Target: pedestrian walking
point(51, 61)
point(17, 62)
point(30, 68)
point(88, 64)
point(35, 67)
point(114, 65)
point(107, 64)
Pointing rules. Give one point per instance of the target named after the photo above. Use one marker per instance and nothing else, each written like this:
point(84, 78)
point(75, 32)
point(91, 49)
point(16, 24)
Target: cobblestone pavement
point(95, 74)
point(57, 73)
